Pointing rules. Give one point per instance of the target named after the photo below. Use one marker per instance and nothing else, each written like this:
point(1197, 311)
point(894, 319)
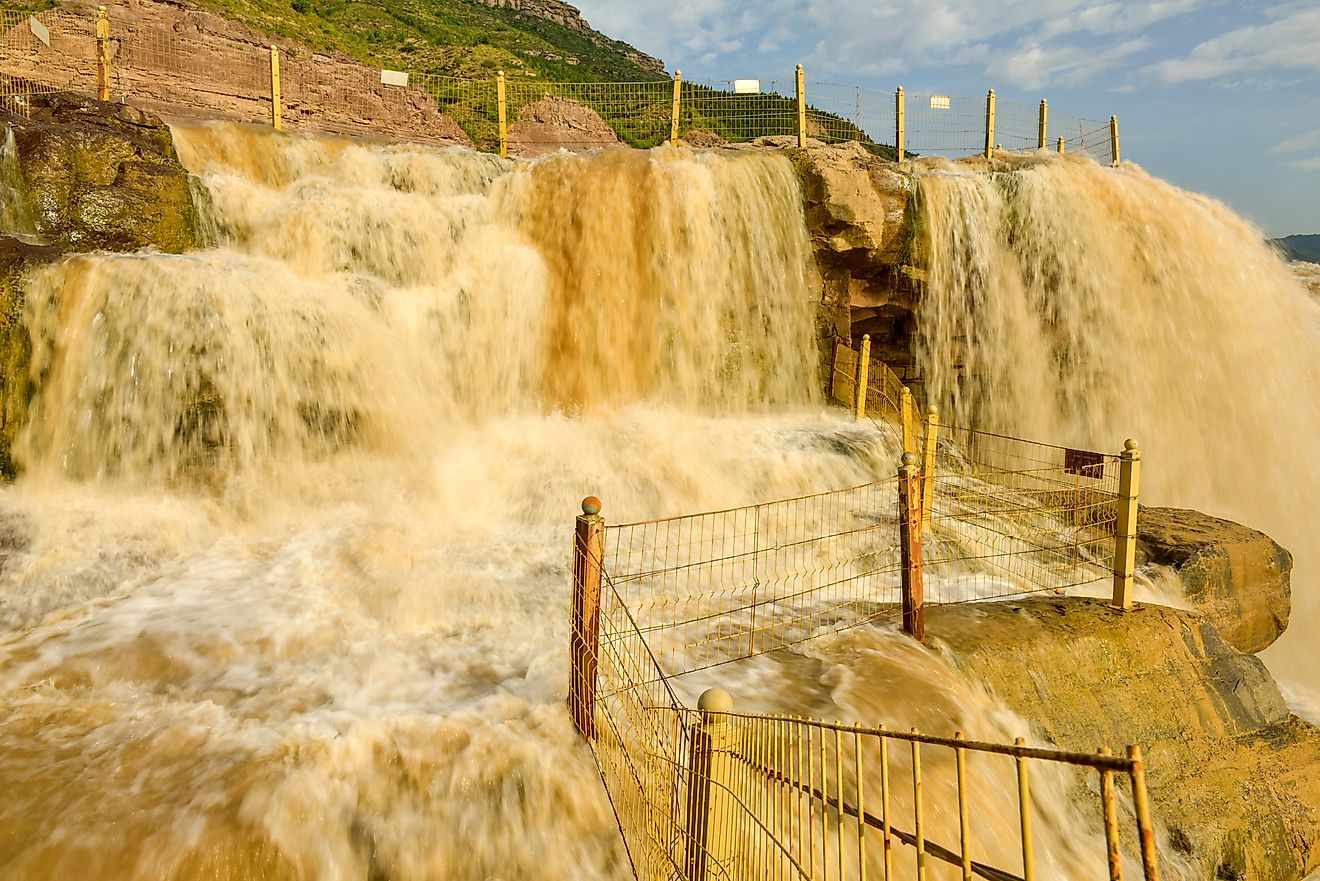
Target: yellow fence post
point(678, 108)
point(1141, 804)
point(909, 529)
point(900, 122)
point(863, 378)
point(802, 107)
point(276, 101)
point(503, 109)
point(1114, 150)
point(1043, 137)
point(908, 415)
point(990, 124)
point(588, 565)
point(1109, 803)
point(1061, 148)
point(709, 804)
point(928, 466)
point(1024, 809)
point(102, 54)
point(1125, 530)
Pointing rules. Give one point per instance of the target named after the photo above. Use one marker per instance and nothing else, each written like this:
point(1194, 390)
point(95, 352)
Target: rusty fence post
point(1125, 527)
point(1061, 146)
point(276, 99)
point(584, 657)
point(709, 803)
point(102, 54)
point(990, 124)
point(802, 107)
point(1043, 134)
point(928, 466)
point(863, 380)
point(909, 530)
point(678, 108)
point(900, 123)
point(1114, 152)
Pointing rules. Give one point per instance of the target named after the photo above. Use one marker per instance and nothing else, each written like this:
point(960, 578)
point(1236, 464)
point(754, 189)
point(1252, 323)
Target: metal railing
point(211, 74)
point(710, 793)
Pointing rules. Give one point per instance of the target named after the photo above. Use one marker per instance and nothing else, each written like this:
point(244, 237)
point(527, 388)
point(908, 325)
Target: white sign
point(939, 102)
point(393, 78)
point(747, 87)
point(39, 30)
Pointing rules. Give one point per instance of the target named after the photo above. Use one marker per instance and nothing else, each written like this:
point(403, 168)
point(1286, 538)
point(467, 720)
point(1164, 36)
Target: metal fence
point(193, 72)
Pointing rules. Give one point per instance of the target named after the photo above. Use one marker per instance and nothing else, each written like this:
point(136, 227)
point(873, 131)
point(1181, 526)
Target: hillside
point(1306, 248)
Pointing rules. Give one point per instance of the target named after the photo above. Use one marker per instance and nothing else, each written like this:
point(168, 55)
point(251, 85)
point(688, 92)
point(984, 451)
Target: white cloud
point(1312, 164)
point(1290, 41)
point(1032, 65)
point(1298, 143)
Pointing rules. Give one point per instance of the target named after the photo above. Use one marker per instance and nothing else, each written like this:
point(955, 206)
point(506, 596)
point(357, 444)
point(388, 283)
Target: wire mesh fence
point(188, 70)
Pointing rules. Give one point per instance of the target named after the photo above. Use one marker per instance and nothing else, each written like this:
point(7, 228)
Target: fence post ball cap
point(715, 700)
point(932, 410)
point(909, 460)
point(1129, 444)
point(591, 506)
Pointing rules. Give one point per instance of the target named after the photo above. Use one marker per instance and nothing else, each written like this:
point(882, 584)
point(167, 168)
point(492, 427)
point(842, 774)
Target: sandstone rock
point(1234, 778)
point(16, 256)
point(1308, 274)
point(569, 17)
point(103, 176)
point(555, 123)
point(1236, 577)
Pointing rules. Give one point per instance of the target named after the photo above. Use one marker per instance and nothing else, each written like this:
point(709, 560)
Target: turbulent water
point(1087, 304)
point(283, 586)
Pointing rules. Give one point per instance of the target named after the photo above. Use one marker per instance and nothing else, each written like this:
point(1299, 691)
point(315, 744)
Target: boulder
point(1234, 777)
point(103, 176)
point(1238, 579)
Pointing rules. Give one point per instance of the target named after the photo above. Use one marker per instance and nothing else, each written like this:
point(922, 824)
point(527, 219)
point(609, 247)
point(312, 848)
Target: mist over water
point(1083, 305)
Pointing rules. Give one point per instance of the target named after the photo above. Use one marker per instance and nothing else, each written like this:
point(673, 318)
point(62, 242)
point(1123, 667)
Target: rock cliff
point(1234, 778)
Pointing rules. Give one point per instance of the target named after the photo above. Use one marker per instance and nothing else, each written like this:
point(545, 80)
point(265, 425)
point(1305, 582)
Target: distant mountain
point(1299, 247)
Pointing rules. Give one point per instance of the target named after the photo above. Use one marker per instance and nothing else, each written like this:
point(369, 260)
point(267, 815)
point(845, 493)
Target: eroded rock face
point(1234, 778)
point(103, 176)
point(554, 123)
point(16, 256)
point(1236, 577)
point(857, 210)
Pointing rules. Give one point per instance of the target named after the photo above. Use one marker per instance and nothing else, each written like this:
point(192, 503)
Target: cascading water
point(1088, 304)
point(283, 587)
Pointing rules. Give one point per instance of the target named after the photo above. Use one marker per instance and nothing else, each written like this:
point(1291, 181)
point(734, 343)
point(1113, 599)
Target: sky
point(1218, 97)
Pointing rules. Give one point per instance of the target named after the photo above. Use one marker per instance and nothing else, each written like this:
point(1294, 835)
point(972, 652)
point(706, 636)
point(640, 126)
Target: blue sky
point(1218, 97)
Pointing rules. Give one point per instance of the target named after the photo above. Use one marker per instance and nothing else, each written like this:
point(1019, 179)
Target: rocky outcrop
point(1238, 579)
point(571, 18)
point(857, 209)
point(102, 176)
point(1234, 778)
point(1308, 274)
point(15, 347)
point(554, 123)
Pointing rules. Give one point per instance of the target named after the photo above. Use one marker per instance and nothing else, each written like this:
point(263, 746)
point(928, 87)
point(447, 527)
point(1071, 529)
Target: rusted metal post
point(1115, 153)
point(707, 807)
point(928, 466)
point(1110, 802)
point(900, 122)
point(964, 814)
point(588, 566)
point(1145, 828)
point(1024, 807)
point(1125, 529)
point(102, 54)
point(909, 528)
point(863, 378)
point(502, 108)
point(276, 100)
point(802, 107)
point(678, 108)
point(1043, 136)
point(990, 124)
